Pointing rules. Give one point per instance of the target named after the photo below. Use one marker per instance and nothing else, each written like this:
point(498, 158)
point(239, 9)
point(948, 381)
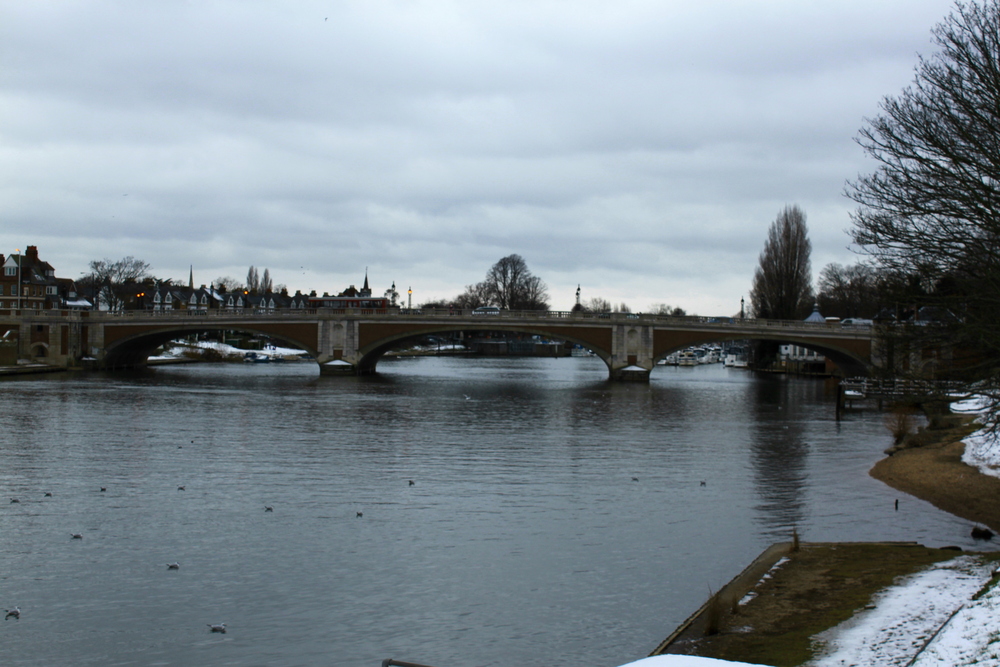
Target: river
point(553, 517)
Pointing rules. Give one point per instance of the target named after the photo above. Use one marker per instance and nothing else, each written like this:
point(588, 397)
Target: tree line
point(782, 286)
point(927, 222)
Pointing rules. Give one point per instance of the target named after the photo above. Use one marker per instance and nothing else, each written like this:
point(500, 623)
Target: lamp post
point(409, 298)
point(18, 278)
point(741, 308)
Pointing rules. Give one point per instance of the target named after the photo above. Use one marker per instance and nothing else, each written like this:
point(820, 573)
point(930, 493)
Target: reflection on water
point(554, 517)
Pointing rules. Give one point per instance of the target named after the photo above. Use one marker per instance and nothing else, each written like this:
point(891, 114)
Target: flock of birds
point(15, 613)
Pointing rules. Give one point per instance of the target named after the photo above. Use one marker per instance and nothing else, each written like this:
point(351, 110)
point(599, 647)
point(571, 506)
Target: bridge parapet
point(354, 339)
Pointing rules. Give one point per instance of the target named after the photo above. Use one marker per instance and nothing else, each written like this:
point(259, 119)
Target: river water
point(554, 517)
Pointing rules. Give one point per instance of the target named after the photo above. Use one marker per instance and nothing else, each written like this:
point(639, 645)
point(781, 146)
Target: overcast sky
point(639, 148)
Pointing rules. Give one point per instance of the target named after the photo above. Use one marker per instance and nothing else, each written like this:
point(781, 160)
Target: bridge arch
point(133, 350)
point(851, 362)
point(370, 353)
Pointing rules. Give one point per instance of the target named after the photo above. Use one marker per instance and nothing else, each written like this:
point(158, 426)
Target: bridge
point(351, 342)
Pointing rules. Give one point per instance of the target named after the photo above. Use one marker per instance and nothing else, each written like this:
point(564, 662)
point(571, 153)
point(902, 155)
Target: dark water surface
point(523, 541)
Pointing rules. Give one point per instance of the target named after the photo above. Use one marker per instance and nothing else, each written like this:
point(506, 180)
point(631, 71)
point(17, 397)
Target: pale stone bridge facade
point(352, 341)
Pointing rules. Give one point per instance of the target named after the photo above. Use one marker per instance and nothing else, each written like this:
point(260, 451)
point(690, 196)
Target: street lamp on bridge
point(409, 298)
point(18, 278)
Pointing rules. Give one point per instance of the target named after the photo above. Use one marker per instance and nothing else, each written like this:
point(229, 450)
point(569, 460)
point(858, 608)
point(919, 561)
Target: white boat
point(671, 359)
point(687, 358)
point(736, 357)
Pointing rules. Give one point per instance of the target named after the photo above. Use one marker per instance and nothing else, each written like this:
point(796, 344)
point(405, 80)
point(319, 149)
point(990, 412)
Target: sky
point(639, 149)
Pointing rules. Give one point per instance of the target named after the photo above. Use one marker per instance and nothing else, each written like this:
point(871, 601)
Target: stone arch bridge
point(352, 341)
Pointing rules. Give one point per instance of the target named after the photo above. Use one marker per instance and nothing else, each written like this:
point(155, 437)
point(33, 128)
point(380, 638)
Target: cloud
point(640, 149)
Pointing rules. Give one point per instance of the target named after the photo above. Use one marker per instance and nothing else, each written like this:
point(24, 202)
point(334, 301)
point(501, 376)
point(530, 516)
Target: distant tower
point(191, 278)
point(366, 291)
point(578, 297)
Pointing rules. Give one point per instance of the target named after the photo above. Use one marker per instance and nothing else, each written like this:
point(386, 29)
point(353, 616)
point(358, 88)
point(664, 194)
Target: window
point(10, 270)
point(1, 290)
point(51, 289)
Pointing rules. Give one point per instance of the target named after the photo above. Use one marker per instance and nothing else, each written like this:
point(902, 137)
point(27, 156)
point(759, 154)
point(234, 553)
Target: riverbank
point(930, 467)
point(807, 592)
point(824, 592)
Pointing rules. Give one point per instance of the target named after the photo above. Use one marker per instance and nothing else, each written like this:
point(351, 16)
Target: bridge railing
point(724, 323)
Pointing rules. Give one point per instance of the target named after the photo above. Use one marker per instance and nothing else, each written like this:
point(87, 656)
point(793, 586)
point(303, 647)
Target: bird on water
point(173, 566)
point(268, 508)
point(13, 613)
point(77, 536)
point(217, 627)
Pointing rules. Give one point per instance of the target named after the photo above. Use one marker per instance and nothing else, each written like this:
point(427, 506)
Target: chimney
point(32, 252)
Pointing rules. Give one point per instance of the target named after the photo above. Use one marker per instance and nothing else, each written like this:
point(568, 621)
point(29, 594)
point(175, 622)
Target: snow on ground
point(982, 448)
point(910, 613)
point(682, 661)
point(767, 575)
point(928, 618)
point(177, 351)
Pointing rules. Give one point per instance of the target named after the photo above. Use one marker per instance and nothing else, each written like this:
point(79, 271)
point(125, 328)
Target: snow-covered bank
point(982, 448)
point(933, 608)
point(929, 618)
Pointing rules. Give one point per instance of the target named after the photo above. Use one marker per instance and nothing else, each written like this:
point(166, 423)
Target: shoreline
point(932, 470)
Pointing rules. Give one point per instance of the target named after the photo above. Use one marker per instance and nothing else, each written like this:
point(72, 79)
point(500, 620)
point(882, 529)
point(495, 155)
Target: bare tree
point(227, 284)
point(266, 284)
point(598, 305)
point(849, 291)
point(665, 309)
point(112, 280)
point(392, 295)
point(930, 211)
point(782, 283)
point(474, 296)
point(512, 286)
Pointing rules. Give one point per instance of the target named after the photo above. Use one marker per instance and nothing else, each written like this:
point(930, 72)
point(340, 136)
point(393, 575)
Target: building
point(40, 289)
point(351, 297)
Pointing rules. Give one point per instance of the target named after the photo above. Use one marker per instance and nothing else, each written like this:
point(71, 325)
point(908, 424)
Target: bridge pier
point(631, 352)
